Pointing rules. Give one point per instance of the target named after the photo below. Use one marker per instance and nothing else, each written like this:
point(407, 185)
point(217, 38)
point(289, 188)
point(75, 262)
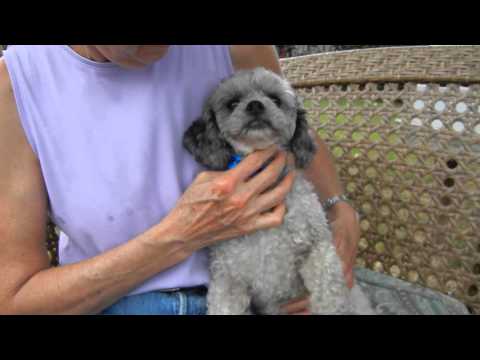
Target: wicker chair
point(404, 127)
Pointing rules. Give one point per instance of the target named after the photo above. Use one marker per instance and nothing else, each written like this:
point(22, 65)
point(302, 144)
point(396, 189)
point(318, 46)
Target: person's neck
point(89, 51)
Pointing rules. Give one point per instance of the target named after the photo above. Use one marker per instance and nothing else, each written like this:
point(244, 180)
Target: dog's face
point(254, 109)
point(250, 111)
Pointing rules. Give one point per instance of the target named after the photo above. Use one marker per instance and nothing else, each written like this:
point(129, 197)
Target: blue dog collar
point(234, 161)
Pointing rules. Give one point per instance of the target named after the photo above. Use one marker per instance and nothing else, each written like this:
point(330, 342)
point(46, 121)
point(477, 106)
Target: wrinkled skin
point(224, 205)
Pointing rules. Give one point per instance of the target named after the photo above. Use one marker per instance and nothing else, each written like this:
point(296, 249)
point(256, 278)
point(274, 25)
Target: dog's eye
point(232, 104)
point(275, 99)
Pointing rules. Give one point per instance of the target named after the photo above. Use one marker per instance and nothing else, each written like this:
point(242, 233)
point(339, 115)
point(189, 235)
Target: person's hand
point(346, 234)
point(224, 205)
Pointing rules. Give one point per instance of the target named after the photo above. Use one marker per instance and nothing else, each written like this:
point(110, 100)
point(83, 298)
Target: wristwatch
point(330, 202)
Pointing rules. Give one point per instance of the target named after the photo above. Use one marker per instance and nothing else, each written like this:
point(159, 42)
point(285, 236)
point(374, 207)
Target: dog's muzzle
point(258, 124)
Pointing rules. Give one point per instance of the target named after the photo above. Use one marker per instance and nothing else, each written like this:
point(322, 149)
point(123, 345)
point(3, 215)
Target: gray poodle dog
point(257, 273)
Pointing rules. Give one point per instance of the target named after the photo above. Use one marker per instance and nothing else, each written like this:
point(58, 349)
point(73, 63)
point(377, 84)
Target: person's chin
point(137, 64)
point(144, 59)
point(149, 57)
point(132, 65)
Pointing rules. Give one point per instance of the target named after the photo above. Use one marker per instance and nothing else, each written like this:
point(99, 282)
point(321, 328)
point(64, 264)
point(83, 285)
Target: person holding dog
point(90, 135)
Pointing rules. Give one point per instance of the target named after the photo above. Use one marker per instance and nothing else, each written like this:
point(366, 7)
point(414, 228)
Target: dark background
point(299, 50)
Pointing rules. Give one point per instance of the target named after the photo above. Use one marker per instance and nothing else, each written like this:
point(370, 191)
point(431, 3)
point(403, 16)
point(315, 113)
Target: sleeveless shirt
point(109, 143)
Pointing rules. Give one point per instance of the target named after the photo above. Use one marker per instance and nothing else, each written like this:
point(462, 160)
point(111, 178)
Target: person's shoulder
point(245, 57)
point(12, 136)
point(31, 60)
point(6, 92)
point(9, 118)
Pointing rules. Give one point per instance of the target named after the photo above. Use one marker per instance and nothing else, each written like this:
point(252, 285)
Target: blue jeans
point(182, 302)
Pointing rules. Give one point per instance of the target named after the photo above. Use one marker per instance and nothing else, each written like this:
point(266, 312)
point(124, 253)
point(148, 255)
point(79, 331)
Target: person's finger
point(206, 176)
point(296, 306)
point(349, 260)
point(338, 234)
point(347, 257)
point(350, 279)
point(353, 258)
point(346, 250)
point(259, 183)
point(252, 163)
point(290, 160)
point(268, 176)
point(341, 247)
point(266, 220)
point(352, 253)
point(271, 198)
point(346, 244)
point(306, 312)
point(347, 270)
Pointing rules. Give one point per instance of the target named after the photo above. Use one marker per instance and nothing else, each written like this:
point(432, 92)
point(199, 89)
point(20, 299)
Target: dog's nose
point(255, 107)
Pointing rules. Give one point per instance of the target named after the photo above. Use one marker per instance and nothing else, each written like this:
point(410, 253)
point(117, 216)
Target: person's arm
point(217, 206)
point(27, 284)
point(321, 172)
point(342, 216)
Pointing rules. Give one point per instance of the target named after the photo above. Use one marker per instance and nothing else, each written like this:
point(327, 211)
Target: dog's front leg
point(323, 277)
point(228, 297)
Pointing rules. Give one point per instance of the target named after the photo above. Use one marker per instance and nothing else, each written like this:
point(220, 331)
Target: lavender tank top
point(109, 142)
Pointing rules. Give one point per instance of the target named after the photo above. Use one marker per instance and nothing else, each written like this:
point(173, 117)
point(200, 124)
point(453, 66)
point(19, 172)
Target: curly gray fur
point(259, 272)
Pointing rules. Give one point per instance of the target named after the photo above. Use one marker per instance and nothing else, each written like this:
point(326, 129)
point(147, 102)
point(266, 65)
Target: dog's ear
point(302, 145)
point(205, 142)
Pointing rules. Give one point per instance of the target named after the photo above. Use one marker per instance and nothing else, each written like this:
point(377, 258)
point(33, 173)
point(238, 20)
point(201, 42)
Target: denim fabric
point(183, 302)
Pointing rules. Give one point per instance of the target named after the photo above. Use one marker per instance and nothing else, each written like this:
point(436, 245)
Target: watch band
point(329, 203)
